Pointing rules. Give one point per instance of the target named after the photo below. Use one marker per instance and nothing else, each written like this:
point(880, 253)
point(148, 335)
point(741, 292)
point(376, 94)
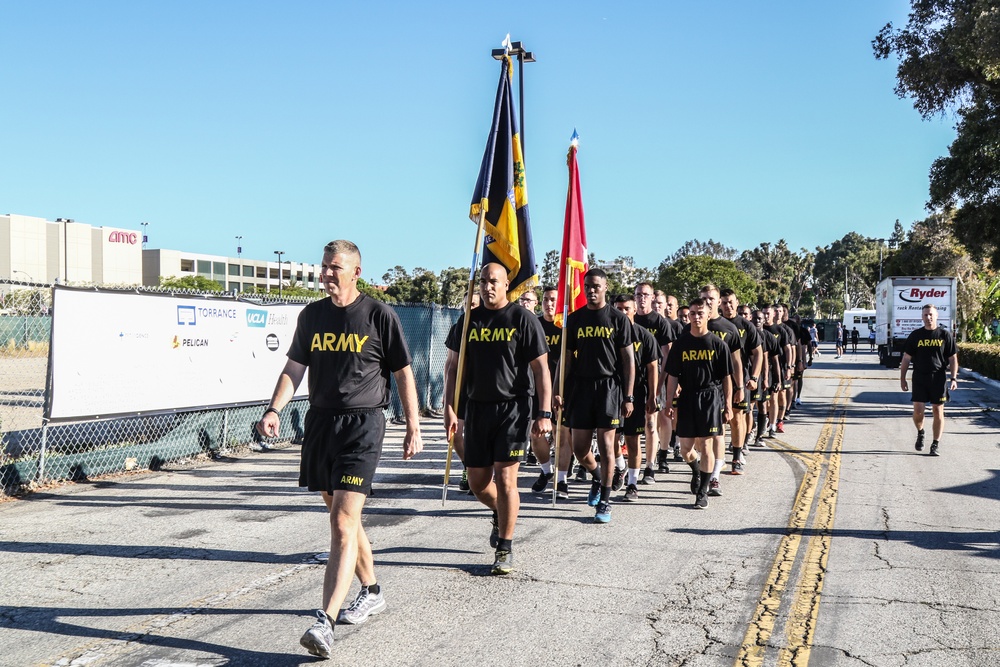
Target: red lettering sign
point(130, 238)
point(917, 293)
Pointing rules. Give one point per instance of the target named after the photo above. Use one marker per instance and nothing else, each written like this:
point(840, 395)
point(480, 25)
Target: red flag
point(573, 259)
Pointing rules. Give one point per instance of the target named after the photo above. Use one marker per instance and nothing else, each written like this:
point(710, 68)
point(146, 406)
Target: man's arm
point(953, 367)
point(407, 386)
point(904, 366)
point(543, 387)
point(450, 377)
point(652, 369)
point(288, 382)
point(727, 392)
point(662, 376)
point(671, 391)
point(628, 366)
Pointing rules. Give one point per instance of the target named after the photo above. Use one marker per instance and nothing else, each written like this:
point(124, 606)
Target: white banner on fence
point(116, 353)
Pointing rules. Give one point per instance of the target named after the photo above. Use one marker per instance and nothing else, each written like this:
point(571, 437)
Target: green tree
point(949, 60)
point(854, 259)
point(550, 268)
point(932, 249)
point(454, 286)
point(696, 247)
point(198, 283)
point(782, 275)
point(685, 277)
point(419, 287)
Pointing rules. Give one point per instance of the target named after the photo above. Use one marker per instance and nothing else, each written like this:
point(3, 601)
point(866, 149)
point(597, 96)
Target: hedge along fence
point(980, 357)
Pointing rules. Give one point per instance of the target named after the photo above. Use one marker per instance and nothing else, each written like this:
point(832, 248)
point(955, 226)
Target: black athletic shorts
point(742, 406)
point(757, 395)
point(340, 451)
point(636, 423)
point(595, 403)
point(700, 413)
point(930, 388)
point(496, 432)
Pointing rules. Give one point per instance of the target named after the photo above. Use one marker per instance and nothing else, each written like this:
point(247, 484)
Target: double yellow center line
point(801, 572)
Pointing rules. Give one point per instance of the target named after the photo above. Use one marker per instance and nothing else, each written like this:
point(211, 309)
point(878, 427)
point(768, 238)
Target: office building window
point(219, 268)
point(273, 273)
point(261, 272)
point(234, 269)
point(204, 268)
point(248, 271)
point(187, 265)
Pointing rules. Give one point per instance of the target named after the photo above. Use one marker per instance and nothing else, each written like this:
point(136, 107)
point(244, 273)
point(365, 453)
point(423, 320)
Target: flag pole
point(568, 282)
point(459, 372)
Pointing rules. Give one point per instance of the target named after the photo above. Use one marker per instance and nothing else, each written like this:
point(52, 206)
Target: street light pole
point(279, 253)
point(239, 246)
point(144, 237)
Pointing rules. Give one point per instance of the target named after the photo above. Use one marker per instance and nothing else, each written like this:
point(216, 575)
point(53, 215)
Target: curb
point(990, 382)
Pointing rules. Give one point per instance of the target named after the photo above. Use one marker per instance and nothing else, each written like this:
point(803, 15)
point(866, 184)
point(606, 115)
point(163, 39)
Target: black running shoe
point(495, 532)
point(701, 501)
point(919, 444)
point(541, 482)
point(677, 454)
point(464, 484)
point(562, 491)
point(581, 474)
point(530, 459)
point(618, 479)
point(648, 476)
point(934, 449)
point(631, 493)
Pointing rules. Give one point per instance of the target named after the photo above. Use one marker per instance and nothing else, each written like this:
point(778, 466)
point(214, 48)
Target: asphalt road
point(840, 546)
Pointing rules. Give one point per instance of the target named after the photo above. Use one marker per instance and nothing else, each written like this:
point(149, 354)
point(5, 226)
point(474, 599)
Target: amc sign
point(130, 238)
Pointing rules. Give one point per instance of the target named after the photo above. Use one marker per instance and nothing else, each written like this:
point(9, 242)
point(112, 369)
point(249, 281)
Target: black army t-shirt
point(749, 340)
point(930, 350)
point(647, 350)
point(725, 330)
point(350, 352)
point(498, 345)
point(596, 336)
point(699, 362)
point(657, 325)
point(553, 337)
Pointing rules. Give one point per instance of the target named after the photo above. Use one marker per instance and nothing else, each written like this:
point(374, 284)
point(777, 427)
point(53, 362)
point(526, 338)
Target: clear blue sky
point(295, 123)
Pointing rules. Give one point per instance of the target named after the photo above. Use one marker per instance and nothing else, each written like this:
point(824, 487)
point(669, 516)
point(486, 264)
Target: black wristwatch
point(543, 414)
point(270, 410)
point(630, 399)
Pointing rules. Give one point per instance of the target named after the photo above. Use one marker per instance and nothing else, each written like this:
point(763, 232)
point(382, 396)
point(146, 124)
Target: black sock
point(673, 440)
point(694, 465)
point(935, 443)
point(920, 431)
point(504, 545)
point(605, 494)
point(706, 478)
point(374, 589)
point(736, 453)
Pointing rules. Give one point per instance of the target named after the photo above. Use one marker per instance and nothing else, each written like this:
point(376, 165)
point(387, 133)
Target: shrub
point(983, 358)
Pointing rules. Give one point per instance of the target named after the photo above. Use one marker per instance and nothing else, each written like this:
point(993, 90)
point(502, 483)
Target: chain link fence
point(33, 452)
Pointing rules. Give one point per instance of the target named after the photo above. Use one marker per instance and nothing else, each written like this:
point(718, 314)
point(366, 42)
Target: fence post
point(225, 430)
point(40, 476)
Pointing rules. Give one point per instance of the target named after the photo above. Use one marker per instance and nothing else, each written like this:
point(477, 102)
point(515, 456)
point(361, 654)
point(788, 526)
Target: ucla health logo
point(256, 318)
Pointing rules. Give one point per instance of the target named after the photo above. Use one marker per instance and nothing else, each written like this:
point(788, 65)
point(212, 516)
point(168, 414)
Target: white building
point(38, 250)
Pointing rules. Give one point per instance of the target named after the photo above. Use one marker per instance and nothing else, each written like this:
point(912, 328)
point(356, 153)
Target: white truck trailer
point(898, 304)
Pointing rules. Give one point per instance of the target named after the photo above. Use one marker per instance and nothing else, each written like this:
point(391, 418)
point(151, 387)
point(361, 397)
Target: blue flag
point(502, 192)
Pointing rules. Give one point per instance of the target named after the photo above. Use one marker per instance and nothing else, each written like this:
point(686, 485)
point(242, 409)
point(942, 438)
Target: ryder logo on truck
point(917, 295)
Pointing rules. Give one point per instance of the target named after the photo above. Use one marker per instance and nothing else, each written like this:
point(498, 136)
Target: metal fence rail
point(32, 452)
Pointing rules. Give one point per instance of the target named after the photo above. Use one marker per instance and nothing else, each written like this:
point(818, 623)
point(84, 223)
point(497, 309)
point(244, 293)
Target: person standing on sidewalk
point(933, 354)
point(503, 339)
point(350, 344)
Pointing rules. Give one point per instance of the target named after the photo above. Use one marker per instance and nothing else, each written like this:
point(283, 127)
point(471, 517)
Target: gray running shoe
point(319, 638)
point(714, 488)
point(648, 476)
point(562, 491)
point(934, 449)
point(631, 493)
point(503, 563)
point(365, 605)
